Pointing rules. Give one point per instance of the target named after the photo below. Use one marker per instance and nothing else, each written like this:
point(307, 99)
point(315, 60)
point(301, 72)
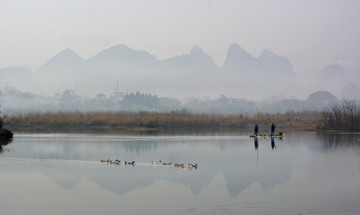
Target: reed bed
point(157, 120)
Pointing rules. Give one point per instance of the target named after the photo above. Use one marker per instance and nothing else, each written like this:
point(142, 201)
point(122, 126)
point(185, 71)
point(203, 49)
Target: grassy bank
point(150, 121)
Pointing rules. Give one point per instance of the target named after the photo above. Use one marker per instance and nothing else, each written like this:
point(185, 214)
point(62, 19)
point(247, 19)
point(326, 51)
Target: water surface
point(303, 173)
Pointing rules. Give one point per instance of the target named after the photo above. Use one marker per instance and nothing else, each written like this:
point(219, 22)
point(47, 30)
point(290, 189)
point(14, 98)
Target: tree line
point(343, 115)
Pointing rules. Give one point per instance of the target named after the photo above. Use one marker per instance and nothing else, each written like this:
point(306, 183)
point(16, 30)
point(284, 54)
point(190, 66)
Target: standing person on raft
point(256, 129)
point(273, 126)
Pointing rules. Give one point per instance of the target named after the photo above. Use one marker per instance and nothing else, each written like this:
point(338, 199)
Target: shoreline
point(143, 130)
point(153, 122)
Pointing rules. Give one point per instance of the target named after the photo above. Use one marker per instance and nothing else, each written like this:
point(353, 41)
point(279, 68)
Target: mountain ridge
point(194, 72)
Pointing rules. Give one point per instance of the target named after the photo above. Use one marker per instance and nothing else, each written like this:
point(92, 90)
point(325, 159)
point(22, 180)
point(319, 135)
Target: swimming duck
point(118, 162)
point(168, 164)
point(193, 165)
point(129, 163)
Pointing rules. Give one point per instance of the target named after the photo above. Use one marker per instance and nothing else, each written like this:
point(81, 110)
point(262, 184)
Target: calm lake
point(303, 173)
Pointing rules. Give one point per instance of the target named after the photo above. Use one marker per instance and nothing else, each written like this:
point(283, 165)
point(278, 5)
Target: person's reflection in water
point(273, 146)
point(256, 143)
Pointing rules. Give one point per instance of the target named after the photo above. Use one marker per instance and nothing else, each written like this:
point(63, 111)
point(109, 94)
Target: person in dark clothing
point(256, 129)
point(273, 126)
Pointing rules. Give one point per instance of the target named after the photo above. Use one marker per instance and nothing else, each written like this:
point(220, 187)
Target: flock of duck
point(181, 165)
point(118, 162)
point(190, 165)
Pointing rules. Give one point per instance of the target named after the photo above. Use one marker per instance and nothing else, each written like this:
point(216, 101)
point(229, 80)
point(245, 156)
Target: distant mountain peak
point(235, 51)
point(268, 53)
point(351, 85)
point(67, 54)
point(332, 78)
point(237, 59)
point(321, 95)
point(65, 58)
point(350, 91)
point(196, 50)
point(120, 56)
point(118, 47)
point(195, 60)
point(334, 69)
point(67, 51)
point(335, 66)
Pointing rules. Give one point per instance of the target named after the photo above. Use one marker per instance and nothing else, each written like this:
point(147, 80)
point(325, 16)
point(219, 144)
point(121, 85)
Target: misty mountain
point(195, 61)
point(319, 100)
point(266, 65)
point(350, 91)
point(332, 78)
point(65, 62)
point(274, 65)
point(14, 71)
point(238, 60)
point(268, 74)
point(17, 76)
point(188, 75)
point(121, 56)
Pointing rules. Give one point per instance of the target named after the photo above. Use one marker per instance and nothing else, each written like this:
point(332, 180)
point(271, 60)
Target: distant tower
point(117, 94)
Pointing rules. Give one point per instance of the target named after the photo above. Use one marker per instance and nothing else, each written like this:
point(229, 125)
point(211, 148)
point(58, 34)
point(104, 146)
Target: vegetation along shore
point(338, 116)
point(153, 121)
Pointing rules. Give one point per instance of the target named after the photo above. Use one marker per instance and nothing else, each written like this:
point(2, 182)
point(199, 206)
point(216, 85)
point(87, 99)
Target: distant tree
point(139, 101)
point(101, 96)
point(68, 94)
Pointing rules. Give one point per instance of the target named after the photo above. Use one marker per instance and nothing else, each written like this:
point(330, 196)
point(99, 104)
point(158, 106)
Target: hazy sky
point(311, 33)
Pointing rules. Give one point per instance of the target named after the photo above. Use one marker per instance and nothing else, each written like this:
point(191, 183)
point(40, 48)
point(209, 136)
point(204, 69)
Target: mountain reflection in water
point(242, 161)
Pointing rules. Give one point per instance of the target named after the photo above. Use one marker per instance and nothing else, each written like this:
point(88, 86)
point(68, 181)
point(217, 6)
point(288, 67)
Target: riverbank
point(155, 122)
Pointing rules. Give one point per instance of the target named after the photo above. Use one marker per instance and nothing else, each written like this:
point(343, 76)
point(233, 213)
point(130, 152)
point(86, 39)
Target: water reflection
point(68, 159)
point(235, 173)
point(273, 143)
point(4, 142)
point(330, 141)
point(256, 143)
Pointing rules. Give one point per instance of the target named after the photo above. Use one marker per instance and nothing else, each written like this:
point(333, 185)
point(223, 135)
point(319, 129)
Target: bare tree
point(341, 116)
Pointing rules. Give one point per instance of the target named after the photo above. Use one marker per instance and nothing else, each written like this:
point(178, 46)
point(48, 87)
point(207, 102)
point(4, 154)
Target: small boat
point(279, 135)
